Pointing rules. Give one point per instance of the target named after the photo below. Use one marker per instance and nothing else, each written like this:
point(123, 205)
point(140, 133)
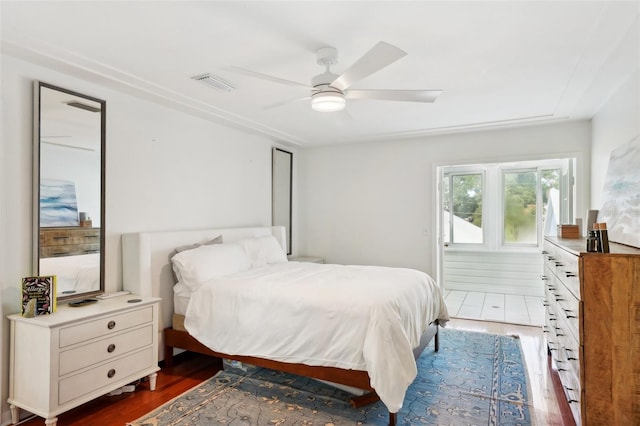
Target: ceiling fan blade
point(288, 101)
point(267, 77)
point(380, 55)
point(394, 95)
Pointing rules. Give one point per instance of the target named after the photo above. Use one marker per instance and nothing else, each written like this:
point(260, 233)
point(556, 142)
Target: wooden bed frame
point(147, 272)
point(353, 378)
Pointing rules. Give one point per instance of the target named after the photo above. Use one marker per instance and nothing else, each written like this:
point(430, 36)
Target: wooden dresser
point(77, 354)
point(592, 328)
point(67, 241)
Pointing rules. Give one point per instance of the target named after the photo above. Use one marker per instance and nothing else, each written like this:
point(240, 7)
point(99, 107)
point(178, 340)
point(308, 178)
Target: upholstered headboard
point(145, 260)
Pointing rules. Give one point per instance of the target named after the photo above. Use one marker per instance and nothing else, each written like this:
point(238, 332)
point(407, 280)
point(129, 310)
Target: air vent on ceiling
point(85, 107)
point(214, 81)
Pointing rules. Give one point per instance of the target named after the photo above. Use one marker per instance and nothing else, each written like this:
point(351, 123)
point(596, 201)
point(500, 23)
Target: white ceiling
point(498, 63)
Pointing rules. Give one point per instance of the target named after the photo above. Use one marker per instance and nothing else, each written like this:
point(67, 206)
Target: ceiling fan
point(329, 91)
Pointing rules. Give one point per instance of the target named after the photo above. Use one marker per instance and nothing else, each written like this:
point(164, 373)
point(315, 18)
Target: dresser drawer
point(69, 241)
point(104, 349)
point(68, 236)
point(566, 305)
point(70, 250)
point(104, 375)
point(107, 325)
point(567, 272)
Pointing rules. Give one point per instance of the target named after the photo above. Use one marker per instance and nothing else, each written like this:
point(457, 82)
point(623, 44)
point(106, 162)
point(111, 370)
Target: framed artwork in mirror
point(68, 190)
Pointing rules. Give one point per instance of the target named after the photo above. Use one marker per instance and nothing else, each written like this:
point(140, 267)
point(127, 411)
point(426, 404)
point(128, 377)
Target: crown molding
point(93, 71)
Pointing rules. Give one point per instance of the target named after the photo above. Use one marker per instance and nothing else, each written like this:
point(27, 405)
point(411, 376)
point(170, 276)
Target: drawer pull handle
point(571, 401)
point(544, 252)
point(559, 263)
point(111, 325)
point(572, 359)
point(571, 316)
point(544, 277)
point(568, 388)
point(551, 258)
point(111, 373)
point(111, 348)
point(570, 274)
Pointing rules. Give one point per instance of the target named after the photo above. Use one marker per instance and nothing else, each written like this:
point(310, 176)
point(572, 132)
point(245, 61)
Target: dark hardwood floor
point(190, 369)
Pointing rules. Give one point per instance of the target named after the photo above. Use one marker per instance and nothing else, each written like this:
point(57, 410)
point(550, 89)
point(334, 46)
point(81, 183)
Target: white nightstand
point(310, 259)
point(74, 355)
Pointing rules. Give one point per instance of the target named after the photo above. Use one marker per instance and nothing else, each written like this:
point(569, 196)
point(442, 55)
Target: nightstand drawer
point(104, 375)
point(104, 349)
point(103, 326)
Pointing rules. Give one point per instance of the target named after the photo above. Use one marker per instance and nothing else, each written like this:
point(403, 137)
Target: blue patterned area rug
point(475, 379)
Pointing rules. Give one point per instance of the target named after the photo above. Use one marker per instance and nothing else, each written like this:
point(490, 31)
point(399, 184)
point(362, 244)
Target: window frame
point(464, 171)
point(493, 200)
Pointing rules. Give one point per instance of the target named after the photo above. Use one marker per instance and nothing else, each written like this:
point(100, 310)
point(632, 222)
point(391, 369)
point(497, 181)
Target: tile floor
point(508, 308)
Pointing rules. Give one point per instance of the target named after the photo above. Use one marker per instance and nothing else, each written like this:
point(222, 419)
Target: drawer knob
point(111, 325)
point(111, 373)
point(111, 348)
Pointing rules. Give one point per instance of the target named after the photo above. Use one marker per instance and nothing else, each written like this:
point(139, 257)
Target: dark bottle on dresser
point(603, 237)
point(592, 241)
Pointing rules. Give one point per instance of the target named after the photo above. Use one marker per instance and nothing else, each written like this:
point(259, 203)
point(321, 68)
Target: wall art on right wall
point(621, 208)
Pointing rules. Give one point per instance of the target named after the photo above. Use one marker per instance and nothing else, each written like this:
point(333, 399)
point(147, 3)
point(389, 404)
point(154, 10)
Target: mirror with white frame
point(68, 188)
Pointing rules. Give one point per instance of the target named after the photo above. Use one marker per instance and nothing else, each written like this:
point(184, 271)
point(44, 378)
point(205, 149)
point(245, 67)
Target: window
point(520, 191)
point(506, 204)
point(463, 208)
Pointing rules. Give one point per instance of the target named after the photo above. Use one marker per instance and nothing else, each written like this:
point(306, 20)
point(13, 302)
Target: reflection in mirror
point(281, 191)
point(69, 145)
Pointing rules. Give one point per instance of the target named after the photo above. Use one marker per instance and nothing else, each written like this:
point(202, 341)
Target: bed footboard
point(358, 379)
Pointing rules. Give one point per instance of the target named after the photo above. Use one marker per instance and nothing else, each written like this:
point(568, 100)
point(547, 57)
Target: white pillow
point(216, 240)
point(194, 267)
point(263, 250)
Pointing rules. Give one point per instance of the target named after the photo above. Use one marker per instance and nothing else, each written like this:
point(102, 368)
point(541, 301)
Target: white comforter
point(353, 317)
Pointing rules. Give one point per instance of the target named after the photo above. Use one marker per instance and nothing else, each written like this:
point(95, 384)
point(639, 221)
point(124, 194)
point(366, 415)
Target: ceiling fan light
point(328, 102)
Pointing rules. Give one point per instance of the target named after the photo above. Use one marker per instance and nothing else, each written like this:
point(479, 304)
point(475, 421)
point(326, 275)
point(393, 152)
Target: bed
point(373, 355)
point(74, 274)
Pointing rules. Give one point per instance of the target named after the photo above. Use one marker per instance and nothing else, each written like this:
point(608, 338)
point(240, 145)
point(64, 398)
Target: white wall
point(374, 203)
point(616, 123)
point(165, 170)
